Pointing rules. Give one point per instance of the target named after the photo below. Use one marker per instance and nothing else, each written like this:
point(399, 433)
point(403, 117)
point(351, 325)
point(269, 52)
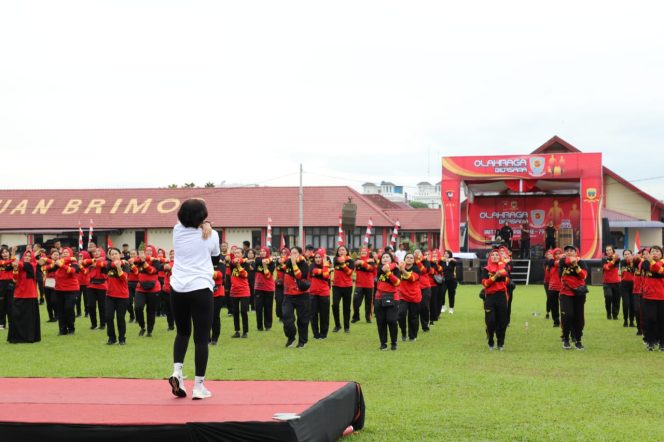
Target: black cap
point(569, 247)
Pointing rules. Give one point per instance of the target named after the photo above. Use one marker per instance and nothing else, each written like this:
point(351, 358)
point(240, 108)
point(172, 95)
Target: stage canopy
point(534, 189)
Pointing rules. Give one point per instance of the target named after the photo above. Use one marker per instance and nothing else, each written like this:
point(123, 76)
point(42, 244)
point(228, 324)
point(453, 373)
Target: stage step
point(521, 271)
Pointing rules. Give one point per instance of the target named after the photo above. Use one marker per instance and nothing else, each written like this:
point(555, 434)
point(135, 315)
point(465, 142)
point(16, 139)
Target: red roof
point(157, 208)
point(417, 219)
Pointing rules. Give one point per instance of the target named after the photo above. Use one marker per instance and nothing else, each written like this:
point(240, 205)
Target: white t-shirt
point(192, 269)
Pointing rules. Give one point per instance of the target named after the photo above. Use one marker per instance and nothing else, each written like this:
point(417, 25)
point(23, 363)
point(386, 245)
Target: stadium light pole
point(301, 231)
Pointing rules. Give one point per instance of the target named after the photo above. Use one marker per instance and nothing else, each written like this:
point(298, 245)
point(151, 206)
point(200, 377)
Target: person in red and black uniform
point(627, 287)
point(319, 275)
point(548, 257)
point(97, 287)
point(342, 287)
point(296, 299)
point(132, 282)
point(424, 266)
point(410, 297)
point(24, 325)
point(451, 283)
point(49, 283)
point(250, 256)
point(573, 274)
point(365, 267)
point(437, 282)
point(495, 280)
point(279, 285)
point(240, 293)
point(166, 288)
point(637, 291)
point(652, 311)
point(6, 286)
point(611, 281)
point(387, 299)
point(83, 281)
point(555, 284)
point(218, 298)
point(66, 288)
point(117, 296)
point(506, 257)
point(147, 291)
point(264, 289)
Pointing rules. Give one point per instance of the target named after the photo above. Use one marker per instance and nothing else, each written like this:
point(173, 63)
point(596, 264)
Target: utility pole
point(301, 232)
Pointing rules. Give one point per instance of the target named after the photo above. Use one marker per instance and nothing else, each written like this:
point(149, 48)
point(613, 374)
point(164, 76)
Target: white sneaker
point(200, 392)
point(451, 311)
point(443, 310)
point(177, 385)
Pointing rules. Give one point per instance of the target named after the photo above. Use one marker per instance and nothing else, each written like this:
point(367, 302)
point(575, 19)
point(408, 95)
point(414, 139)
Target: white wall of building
point(128, 236)
point(161, 238)
point(236, 236)
point(13, 239)
point(623, 200)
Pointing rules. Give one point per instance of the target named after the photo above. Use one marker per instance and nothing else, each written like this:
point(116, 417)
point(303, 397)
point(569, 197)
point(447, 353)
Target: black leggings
point(6, 293)
point(362, 294)
point(240, 308)
point(65, 309)
point(495, 318)
point(612, 299)
point(216, 318)
point(193, 307)
point(320, 313)
point(409, 314)
point(386, 318)
point(264, 301)
point(116, 308)
point(572, 316)
point(51, 307)
point(425, 313)
point(652, 315)
point(151, 300)
point(626, 288)
point(339, 294)
point(97, 297)
point(449, 287)
point(553, 306)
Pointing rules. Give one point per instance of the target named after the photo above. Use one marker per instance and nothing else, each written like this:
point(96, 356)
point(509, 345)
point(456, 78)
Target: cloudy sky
point(146, 93)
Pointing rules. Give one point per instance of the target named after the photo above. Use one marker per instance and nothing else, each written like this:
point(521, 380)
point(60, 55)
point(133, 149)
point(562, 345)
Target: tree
point(209, 184)
point(189, 185)
point(172, 186)
point(418, 205)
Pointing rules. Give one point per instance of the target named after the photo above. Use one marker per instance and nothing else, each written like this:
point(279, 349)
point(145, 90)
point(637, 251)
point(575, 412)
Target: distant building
point(428, 194)
point(387, 189)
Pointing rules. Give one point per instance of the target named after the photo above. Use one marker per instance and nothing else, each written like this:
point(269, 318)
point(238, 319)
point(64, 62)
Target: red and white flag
point(282, 244)
point(80, 237)
point(268, 239)
point(637, 242)
point(368, 233)
point(341, 238)
point(90, 231)
point(109, 243)
point(395, 232)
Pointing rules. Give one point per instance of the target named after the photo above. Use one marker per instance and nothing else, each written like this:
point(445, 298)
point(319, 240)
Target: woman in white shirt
point(197, 251)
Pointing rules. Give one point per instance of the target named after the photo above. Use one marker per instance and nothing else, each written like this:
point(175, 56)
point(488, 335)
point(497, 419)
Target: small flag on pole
point(90, 231)
point(109, 243)
point(268, 240)
point(282, 243)
point(367, 234)
point(341, 238)
point(395, 232)
point(637, 242)
point(80, 237)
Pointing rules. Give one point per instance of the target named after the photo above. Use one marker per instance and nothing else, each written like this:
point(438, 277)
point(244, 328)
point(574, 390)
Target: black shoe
point(426, 330)
point(639, 333)
point(650, 347)
point(290, 343)
point(300, 345)
point(78, 315)
point(62, 333)
point(142, 332)
point(383, 347)
point(403, 338)
point(346, 330)
point(579, 345)
point(52, 320)
point(556, 324)
point(149, 334)
point(213, 342)
point(111, 342)
point(393, 347)
point(235, 335)
point(412, 339)
point(354, 320)
point(368, 321)
point(93, 327)
point(631, 324)
point(566, 345)
point(122, 342)
point(244, 335)
point(615, 317)
point(260, 328)
point(608, 316)
point(267, 328)
point(71, 332)
point(171, 328)
point(547, 316)
point(102, 327)
point(336, 329)
point(131, 320)
point(625, 324)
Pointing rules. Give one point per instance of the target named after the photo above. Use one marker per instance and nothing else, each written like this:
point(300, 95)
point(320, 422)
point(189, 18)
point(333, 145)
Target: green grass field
point(445, 386)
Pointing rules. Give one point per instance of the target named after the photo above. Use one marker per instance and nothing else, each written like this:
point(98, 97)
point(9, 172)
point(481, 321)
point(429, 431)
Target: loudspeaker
point(348, 214)
point(606, 234)
point(471, 277)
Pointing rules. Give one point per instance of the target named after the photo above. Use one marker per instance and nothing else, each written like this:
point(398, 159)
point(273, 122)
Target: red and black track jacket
point(410, 289)
point(572, 276)
point(610, 267)
point(653, 286)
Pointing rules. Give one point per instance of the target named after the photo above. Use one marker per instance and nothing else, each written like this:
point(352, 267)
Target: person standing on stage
point(410, 298)
point(627, 288)
point(117, 297)
point(550, 234)
point(342, 288)
point(365, 266)
point(525, 241)
point(450, 284)
point(197, 252)
point(264, 289)
point(387, 300)
point(573, 273)
point(6, 285)
point(240, 293)
point(319, 275)
point(611, 281)
point(652, 311)
point(494, 281)
point(296, 299)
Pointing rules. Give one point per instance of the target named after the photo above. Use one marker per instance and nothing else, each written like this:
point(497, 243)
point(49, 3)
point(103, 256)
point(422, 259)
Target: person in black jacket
point(450, 283)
